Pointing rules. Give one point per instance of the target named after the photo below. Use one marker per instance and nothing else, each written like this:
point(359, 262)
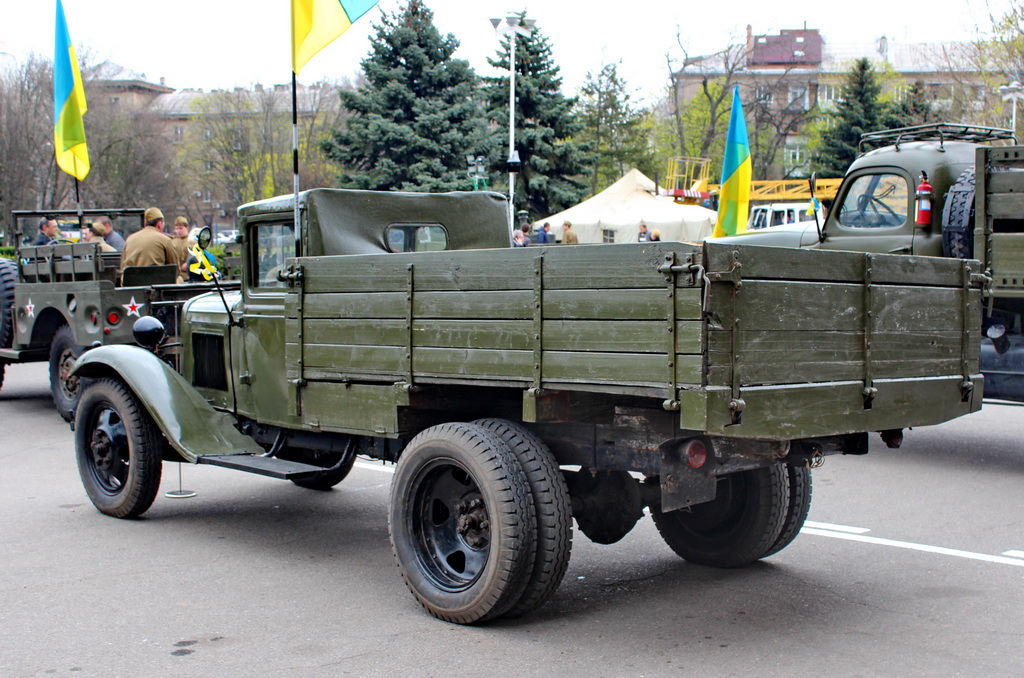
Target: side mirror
point(204, 238)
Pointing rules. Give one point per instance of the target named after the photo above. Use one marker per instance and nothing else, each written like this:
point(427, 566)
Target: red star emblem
point(30, 308)
point(133, 308)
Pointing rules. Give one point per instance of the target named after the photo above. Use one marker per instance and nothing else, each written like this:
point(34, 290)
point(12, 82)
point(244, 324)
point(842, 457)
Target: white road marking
point(940, 550)
point(836, 528)
point(1014, 554)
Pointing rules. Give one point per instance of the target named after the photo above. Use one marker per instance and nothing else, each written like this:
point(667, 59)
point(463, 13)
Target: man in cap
point(150, 246)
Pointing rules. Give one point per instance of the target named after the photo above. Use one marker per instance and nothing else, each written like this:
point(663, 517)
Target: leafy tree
point(859, 111)
point(914, 108)
point(545, 126)
point(417, 116)
point(612, 127)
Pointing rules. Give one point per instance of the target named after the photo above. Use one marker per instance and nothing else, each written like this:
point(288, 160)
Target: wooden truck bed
point(742, 341)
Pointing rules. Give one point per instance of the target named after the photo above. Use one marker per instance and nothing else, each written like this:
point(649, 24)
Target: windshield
point(876, 201)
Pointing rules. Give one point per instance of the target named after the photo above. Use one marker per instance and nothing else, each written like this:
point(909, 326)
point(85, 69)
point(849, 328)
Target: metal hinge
point(292, 275)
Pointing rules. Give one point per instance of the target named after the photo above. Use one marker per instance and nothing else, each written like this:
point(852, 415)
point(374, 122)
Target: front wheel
point(65, 388)
point(740, 525)
point(462, 523)
point(119, 450)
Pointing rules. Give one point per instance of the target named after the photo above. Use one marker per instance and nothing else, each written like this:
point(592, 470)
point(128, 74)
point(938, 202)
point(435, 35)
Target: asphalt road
point(912, 565)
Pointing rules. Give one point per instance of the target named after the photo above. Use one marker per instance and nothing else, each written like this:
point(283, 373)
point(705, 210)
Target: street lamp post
point(513, 25)
point(1012, 93)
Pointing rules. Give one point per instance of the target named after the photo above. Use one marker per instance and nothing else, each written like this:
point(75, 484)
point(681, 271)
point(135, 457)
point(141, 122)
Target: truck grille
point(208, 361)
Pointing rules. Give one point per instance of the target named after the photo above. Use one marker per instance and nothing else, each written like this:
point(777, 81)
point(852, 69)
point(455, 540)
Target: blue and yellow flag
point(317, 23)
point(734, 194)
point(68, 105)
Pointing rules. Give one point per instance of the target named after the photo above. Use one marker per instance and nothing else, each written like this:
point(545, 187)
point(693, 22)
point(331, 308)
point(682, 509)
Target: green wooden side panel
point(777, 263)
point(1008, 259)
point(1003, 205)
point(624, 336)
point(367, 409)
point(625, 266)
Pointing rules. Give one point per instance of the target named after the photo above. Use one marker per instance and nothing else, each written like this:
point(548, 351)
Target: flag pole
point(78, 201)
point(295, 157)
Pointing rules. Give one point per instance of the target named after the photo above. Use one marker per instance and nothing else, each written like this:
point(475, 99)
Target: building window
point(607, 235)
point(207, 195)
point(797, 98)
point(179, 134)
point(764, 95)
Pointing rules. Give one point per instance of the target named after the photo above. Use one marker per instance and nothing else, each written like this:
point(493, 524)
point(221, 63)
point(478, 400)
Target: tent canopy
point(615, 214)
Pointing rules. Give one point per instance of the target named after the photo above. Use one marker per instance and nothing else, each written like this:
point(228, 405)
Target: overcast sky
point(221, 44)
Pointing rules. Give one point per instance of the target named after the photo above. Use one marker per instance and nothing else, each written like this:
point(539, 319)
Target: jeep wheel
point(462, 523)
point(740, 525)
point(119, 450)
point(8, 278)
point(65, 388)
point(553, 508)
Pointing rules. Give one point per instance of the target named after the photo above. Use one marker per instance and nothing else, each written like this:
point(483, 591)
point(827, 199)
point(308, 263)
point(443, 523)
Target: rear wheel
point(118, 449)
point(552, 506)
point(462, 523)
point(740, 525)
point(65, 388)
point(799, 478)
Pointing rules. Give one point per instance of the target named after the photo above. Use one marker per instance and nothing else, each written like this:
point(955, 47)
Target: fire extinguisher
point(924, 201)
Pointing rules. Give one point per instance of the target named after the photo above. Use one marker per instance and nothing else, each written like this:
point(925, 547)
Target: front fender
point(190, 424)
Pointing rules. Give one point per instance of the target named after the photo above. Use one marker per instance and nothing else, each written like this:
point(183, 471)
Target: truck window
point(759, 217)
point(274, 244)
point(417, 238)
point(876, 201)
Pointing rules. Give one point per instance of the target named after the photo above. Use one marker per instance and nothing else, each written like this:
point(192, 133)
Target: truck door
point(262, 388)
point(873, 213)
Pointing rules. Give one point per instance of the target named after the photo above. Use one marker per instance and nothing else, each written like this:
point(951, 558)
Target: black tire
point(553, 509)
point(8, 278)
point(3, 369)
point(737, 527)
point(462, 523)
point(323, 481)
point(799, 480)
point(119, 450)
point(65, 389)
point(958, 218)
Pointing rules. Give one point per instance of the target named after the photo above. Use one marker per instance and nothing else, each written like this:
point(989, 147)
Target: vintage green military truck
point(519, 388)
point(57, 299)
point(975, 210)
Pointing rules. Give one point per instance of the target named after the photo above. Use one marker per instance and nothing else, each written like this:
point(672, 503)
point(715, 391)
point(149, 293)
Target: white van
point(763, 216)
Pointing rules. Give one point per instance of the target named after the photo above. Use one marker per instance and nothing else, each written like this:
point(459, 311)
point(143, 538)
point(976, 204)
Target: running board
point(264, 466)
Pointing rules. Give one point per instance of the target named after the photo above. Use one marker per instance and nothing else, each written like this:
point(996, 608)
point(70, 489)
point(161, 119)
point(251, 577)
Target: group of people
point(544, 236)
point(149, 246)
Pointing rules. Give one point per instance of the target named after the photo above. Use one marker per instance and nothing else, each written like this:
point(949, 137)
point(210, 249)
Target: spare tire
point(8, 277)
point(958, 218)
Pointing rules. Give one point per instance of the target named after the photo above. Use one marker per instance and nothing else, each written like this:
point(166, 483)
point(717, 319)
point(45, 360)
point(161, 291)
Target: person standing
point(48, 232)
point(643, 235)
point(150, 246)
point(544, 234)
point(569, 236)
point(110, 236)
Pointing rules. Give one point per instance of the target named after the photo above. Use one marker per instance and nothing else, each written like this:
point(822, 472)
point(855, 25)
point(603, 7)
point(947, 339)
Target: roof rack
point(941, 132)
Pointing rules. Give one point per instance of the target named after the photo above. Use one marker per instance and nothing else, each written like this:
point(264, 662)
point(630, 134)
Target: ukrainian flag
point(734, 194)
point(68, 105)
point(317, 23)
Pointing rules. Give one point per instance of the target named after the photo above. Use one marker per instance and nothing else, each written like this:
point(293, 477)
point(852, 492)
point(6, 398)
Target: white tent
point(615, 214)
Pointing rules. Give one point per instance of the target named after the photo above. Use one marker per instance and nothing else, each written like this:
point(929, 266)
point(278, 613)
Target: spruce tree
point(417, 116)
point(611, 127)
point(545, 125)
point(859, 111)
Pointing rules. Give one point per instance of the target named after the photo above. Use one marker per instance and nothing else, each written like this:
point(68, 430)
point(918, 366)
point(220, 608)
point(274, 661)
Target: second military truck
point(521, 388)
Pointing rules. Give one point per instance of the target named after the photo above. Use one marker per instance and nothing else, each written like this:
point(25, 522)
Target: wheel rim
point(450, 517)
point(68, 384)
point(109, 455)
